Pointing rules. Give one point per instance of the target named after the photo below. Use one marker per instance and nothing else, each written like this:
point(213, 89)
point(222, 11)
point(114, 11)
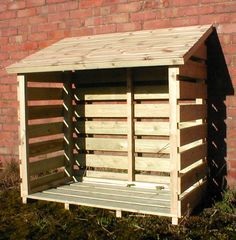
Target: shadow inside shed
point(117, 121)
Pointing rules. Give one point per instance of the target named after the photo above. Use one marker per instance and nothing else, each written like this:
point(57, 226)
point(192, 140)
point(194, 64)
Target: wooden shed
point(117, 121)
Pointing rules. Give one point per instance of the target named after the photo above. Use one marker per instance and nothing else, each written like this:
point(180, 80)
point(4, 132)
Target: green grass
point(42, 220)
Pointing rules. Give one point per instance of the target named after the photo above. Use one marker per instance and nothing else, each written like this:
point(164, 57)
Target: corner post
point(174, 148)
point(130, 124)
point(23, 136)
point(68, 123)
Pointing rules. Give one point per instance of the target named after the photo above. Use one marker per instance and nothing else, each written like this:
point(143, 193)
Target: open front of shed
point(117, 121)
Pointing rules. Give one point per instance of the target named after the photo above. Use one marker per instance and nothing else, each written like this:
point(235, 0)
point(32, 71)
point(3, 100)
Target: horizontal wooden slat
point(191, 134)
point(119, 127)
point(40, 112)
point(101, 203)
point(191, 112)
point(36, 149)
point(192, 90)
point(114, 190)
point(101, 127)
point(68, 191)
point(101, 110)
point(36, 93)
point(192, 155)
point(191, 177)
point(192, 199)
point(151, 110)
point(47, 129)
point(108, 144)
point(46, 179)
point(120, 110)
point(46, 165)
point(119, 93)
point(121, 162)
point(124, 176)
point(152, 128)
point(45, 77)
point(193, 69)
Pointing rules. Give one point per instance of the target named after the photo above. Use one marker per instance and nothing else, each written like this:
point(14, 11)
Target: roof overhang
point(160, 47)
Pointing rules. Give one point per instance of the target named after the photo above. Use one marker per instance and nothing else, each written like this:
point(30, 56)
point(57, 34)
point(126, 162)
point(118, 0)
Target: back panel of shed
point(117, 121)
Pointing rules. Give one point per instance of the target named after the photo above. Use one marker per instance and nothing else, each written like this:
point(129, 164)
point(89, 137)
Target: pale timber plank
point(109, 197)
point(191, 112)
point(174, 155)
point(36, 93)
point(40, 181)
point(124, 176)
point(191, 134)
point(192, 199)
point(115, 144)
point(40, 148)
point(120, 162)
point(46, 165)
point(189, 178)
point(193, 69)
point(120, 128)
point(40, 130)
point(40, 112)
point(130, 126)
point(23, 134)
point(192, 90)
point(101, 204)
point(192, 155)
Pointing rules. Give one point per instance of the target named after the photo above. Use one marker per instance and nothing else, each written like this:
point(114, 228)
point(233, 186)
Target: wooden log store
point(116, 121)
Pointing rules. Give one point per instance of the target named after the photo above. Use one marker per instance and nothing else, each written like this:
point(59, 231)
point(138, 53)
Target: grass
point(42, 220)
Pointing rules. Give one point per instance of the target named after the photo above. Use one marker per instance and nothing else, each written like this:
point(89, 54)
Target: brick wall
point(29, 25)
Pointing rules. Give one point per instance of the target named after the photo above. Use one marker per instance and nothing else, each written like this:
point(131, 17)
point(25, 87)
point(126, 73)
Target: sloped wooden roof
point(170, 46)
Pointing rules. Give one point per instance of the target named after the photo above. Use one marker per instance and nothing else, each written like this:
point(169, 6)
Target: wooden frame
point(130, 140)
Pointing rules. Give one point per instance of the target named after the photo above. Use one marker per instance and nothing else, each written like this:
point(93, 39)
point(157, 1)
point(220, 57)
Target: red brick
point(94, 21)
point(67, 6)
point(232, 164)
point(183, 2)
point(39, 36)
point(16, 5)
point(45, 27)
point(46, 9)
point(225, 7)
point(43, 44)
point(3, 7)
point(18, 55)
point(5, 88)
point(55, 17)
point(38, 19)
point(104, 29)
point(230, 49)
point(9, 32)
point(119, 18)
point(59, 34)
point(10, 111)
point(30, 46)
point(127, 7)
point(214, 18)
point(26, 12)
point(90, 3)
point(125, 27)
point(10, 127)
point(7, 15)
point(227, 28)
point(143, 16)
point(34, 3)
point(81, 32)
point(55, 1)
point(3, 56)
point(81, 13)
point(160, 23)
point(186, 21)
point(231, 133)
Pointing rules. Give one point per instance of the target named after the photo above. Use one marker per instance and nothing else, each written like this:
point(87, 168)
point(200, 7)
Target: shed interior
point(117, 121)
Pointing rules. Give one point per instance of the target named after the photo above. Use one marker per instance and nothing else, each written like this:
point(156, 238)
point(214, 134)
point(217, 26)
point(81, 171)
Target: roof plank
point(160, 47)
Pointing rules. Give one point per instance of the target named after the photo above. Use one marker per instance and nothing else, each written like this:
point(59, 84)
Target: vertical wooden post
point(130, 124)
point(68, 123)
point(23, 134)
point(174, 155)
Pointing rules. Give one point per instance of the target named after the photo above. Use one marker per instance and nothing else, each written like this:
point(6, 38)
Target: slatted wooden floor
point(119, 198)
